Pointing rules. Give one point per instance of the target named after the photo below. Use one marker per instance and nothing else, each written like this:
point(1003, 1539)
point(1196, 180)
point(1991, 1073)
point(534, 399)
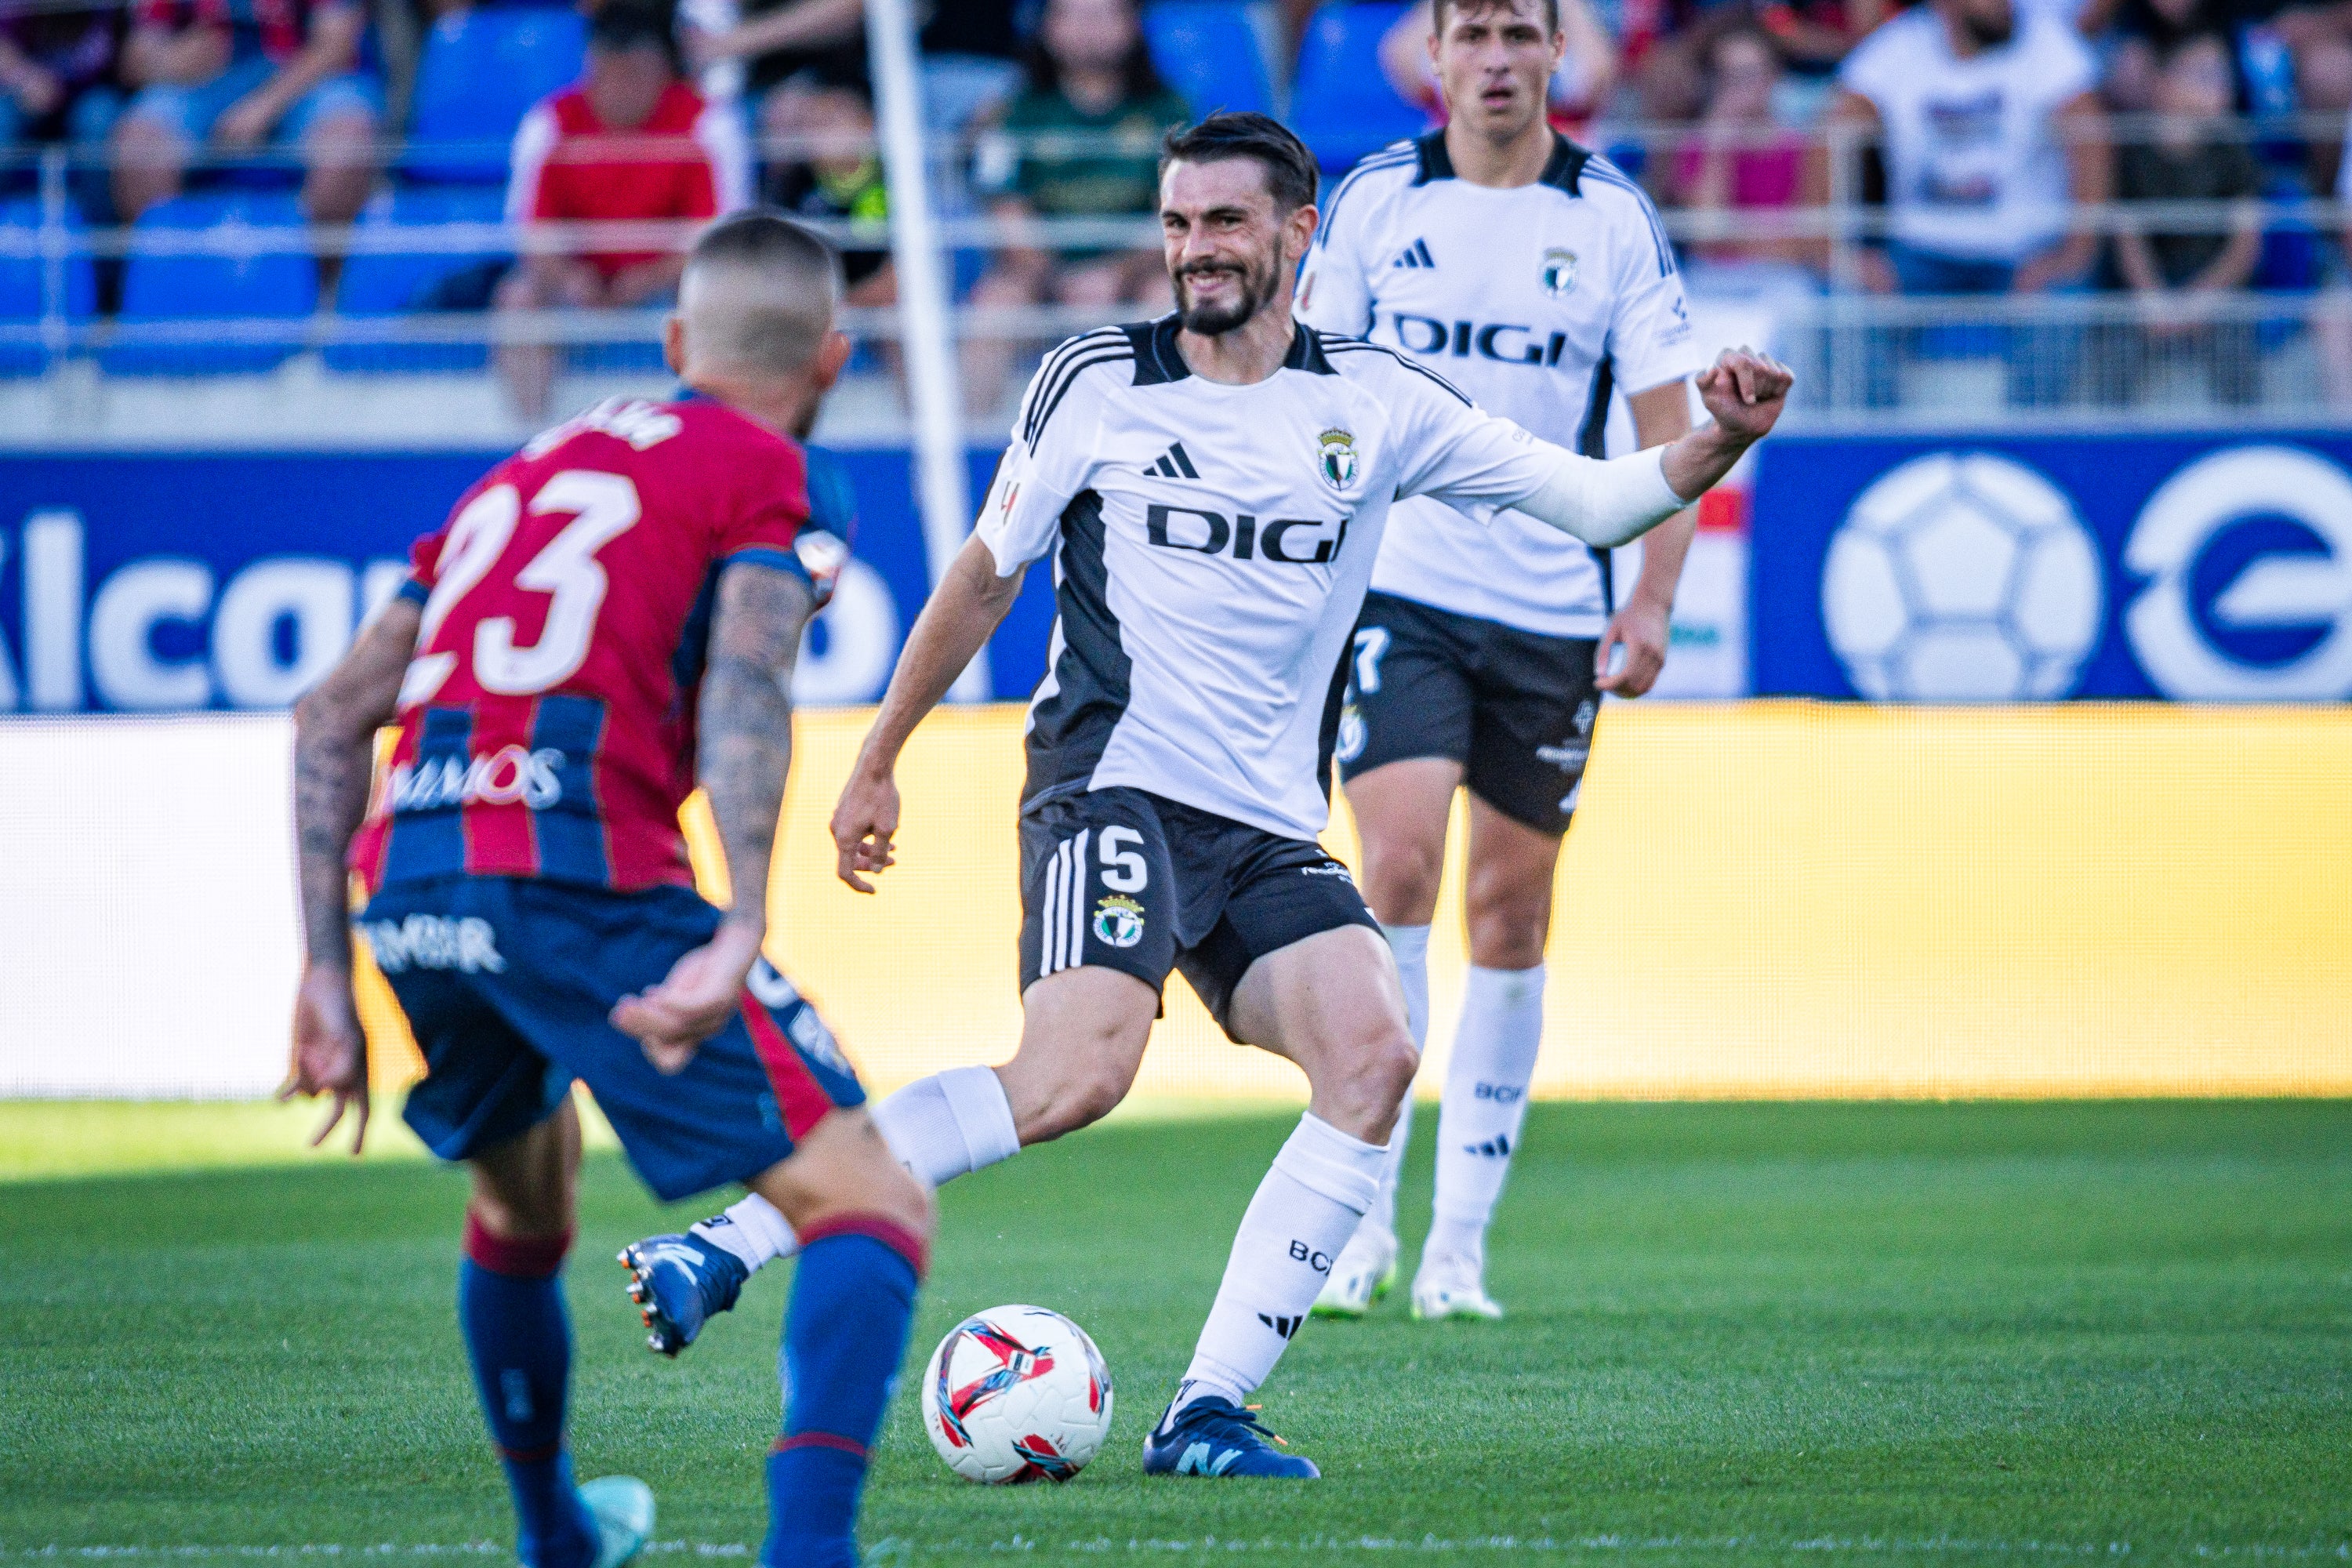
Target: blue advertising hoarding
point(163, 581)
point(2197, 568)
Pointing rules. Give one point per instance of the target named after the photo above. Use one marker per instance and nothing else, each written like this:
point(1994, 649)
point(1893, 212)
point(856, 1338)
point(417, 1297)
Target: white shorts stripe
point(1051, 959)
point(1079, 896)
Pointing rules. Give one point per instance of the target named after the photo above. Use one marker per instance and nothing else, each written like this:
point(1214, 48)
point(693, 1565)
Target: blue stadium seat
point(1208, 51)
point(21, 284)
point(278, 285)
point(375, 286)
point(1341, 105)
point(481, 71)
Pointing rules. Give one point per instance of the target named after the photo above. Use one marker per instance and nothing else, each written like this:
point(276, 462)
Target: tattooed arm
point(747, 748)
point(334, 737)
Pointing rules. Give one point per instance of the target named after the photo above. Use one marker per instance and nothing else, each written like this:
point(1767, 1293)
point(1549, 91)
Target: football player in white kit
point(1210, 490)
point(1535, 276)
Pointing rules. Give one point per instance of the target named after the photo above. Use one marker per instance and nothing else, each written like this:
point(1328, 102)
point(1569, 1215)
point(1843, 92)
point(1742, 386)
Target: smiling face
point(1231, 250)
point(1495, 63)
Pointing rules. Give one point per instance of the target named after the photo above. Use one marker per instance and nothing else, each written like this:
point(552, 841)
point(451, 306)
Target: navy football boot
point(677, 1283)
point(1214, 1436)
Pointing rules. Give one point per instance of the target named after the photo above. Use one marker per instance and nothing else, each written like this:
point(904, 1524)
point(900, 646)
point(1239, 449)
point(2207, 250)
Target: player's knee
point(1402, 876)
point(1376, 1075)
point(1081, 1099)
point(908, 1203)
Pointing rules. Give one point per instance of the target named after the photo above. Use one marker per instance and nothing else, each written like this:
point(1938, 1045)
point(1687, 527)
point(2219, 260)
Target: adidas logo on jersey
point(1174, 464)
point(1416, 255)
point(1286, 1327)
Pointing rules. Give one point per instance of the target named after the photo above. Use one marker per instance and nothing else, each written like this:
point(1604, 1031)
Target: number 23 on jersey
point(602, 507)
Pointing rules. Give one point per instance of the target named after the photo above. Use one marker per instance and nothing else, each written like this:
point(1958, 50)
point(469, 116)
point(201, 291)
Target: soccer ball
point(1962, 578)
point(1016, 1393)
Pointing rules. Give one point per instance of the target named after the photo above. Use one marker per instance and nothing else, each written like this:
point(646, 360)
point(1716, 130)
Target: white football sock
point(949, 1124)
point(752, 1229)
point(941, 1127)
point(1485, 1103)
point(1410, 944)
point(1304, 1212)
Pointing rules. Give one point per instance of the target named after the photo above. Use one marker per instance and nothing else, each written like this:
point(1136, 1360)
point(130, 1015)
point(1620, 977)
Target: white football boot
point(1366, 1268)
point(1450, 1285)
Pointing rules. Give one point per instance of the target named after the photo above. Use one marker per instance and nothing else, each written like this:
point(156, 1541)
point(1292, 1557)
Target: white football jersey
point(1541, 301)
point(1211, 546)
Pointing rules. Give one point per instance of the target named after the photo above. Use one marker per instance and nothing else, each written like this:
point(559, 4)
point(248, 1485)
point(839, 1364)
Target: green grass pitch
point(1737, 1333)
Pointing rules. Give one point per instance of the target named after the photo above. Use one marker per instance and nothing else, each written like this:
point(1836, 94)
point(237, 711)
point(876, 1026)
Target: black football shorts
point(1129, 881)
point(1514, 708)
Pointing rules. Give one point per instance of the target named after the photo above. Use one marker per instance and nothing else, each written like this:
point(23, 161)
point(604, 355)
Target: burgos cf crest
point(1119, 922)
point(1559, 273)
point(1336, 456)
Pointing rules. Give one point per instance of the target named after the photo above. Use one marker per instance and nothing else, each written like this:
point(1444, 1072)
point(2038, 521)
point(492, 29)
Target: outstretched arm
point(334, 735)
point(1608, 503)
point(964, 611)
point(746, 723)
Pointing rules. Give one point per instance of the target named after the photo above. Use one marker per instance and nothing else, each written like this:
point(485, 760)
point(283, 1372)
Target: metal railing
point(1864, 359)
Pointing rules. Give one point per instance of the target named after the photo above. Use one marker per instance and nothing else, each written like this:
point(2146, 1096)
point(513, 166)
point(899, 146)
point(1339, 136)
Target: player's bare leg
point(1401, 810)
point(1508, 905)
point(519, 1224)
point(1331, 1004)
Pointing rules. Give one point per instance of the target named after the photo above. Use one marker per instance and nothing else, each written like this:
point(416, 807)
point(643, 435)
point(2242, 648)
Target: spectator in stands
point(2193, 157)
point(2144, 34)
point(1811, 37)
point(56, 72)
point(1082, 140)
point(1588, 69)
point(631, 144)
point(970, 50)
point(1990, 129)
point(836, 175)
point(244, 75)
point(1740, 161)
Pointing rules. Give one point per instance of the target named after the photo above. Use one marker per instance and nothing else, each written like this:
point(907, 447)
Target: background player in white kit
point(1536, 277)
point(1211, 490)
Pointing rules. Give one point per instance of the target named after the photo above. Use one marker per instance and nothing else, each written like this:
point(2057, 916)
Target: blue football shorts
point(508, 982)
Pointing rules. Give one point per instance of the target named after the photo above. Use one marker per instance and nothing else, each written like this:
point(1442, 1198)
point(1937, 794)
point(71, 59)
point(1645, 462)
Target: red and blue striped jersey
point(547, 721)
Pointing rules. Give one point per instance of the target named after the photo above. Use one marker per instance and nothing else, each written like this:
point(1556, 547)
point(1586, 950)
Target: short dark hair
point(1438, 8)
point(633, 24)
point(786, 320)
point(1290, 173)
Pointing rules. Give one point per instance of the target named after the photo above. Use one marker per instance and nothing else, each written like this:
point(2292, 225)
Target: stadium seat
point(481, 71)
point(1209, 51)
point(1341, 105)
point(380, 285)
point(278, 285)
point(22, 281)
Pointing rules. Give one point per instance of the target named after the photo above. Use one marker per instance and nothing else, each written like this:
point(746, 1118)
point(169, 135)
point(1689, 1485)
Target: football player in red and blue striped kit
point(609, 618)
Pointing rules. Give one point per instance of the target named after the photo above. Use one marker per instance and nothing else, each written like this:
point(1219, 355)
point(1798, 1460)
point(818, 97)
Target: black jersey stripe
point(1607, 174)
point(1069, 379)
point(1349, 345)
point(1398, 155)
point(1052, 368)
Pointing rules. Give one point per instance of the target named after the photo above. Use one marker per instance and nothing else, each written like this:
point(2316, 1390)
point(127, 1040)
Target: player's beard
point(1258, 286)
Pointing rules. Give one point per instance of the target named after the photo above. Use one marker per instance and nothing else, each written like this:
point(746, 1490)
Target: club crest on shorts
point(1336, 457)
point(1119, 922)
point(1559, 274)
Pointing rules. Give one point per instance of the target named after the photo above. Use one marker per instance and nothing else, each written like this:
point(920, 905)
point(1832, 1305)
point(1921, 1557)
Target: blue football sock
point(853, 1303)
point(511, 1307)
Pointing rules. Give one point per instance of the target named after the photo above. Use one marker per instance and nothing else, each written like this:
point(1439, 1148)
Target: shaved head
point(758, 297)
